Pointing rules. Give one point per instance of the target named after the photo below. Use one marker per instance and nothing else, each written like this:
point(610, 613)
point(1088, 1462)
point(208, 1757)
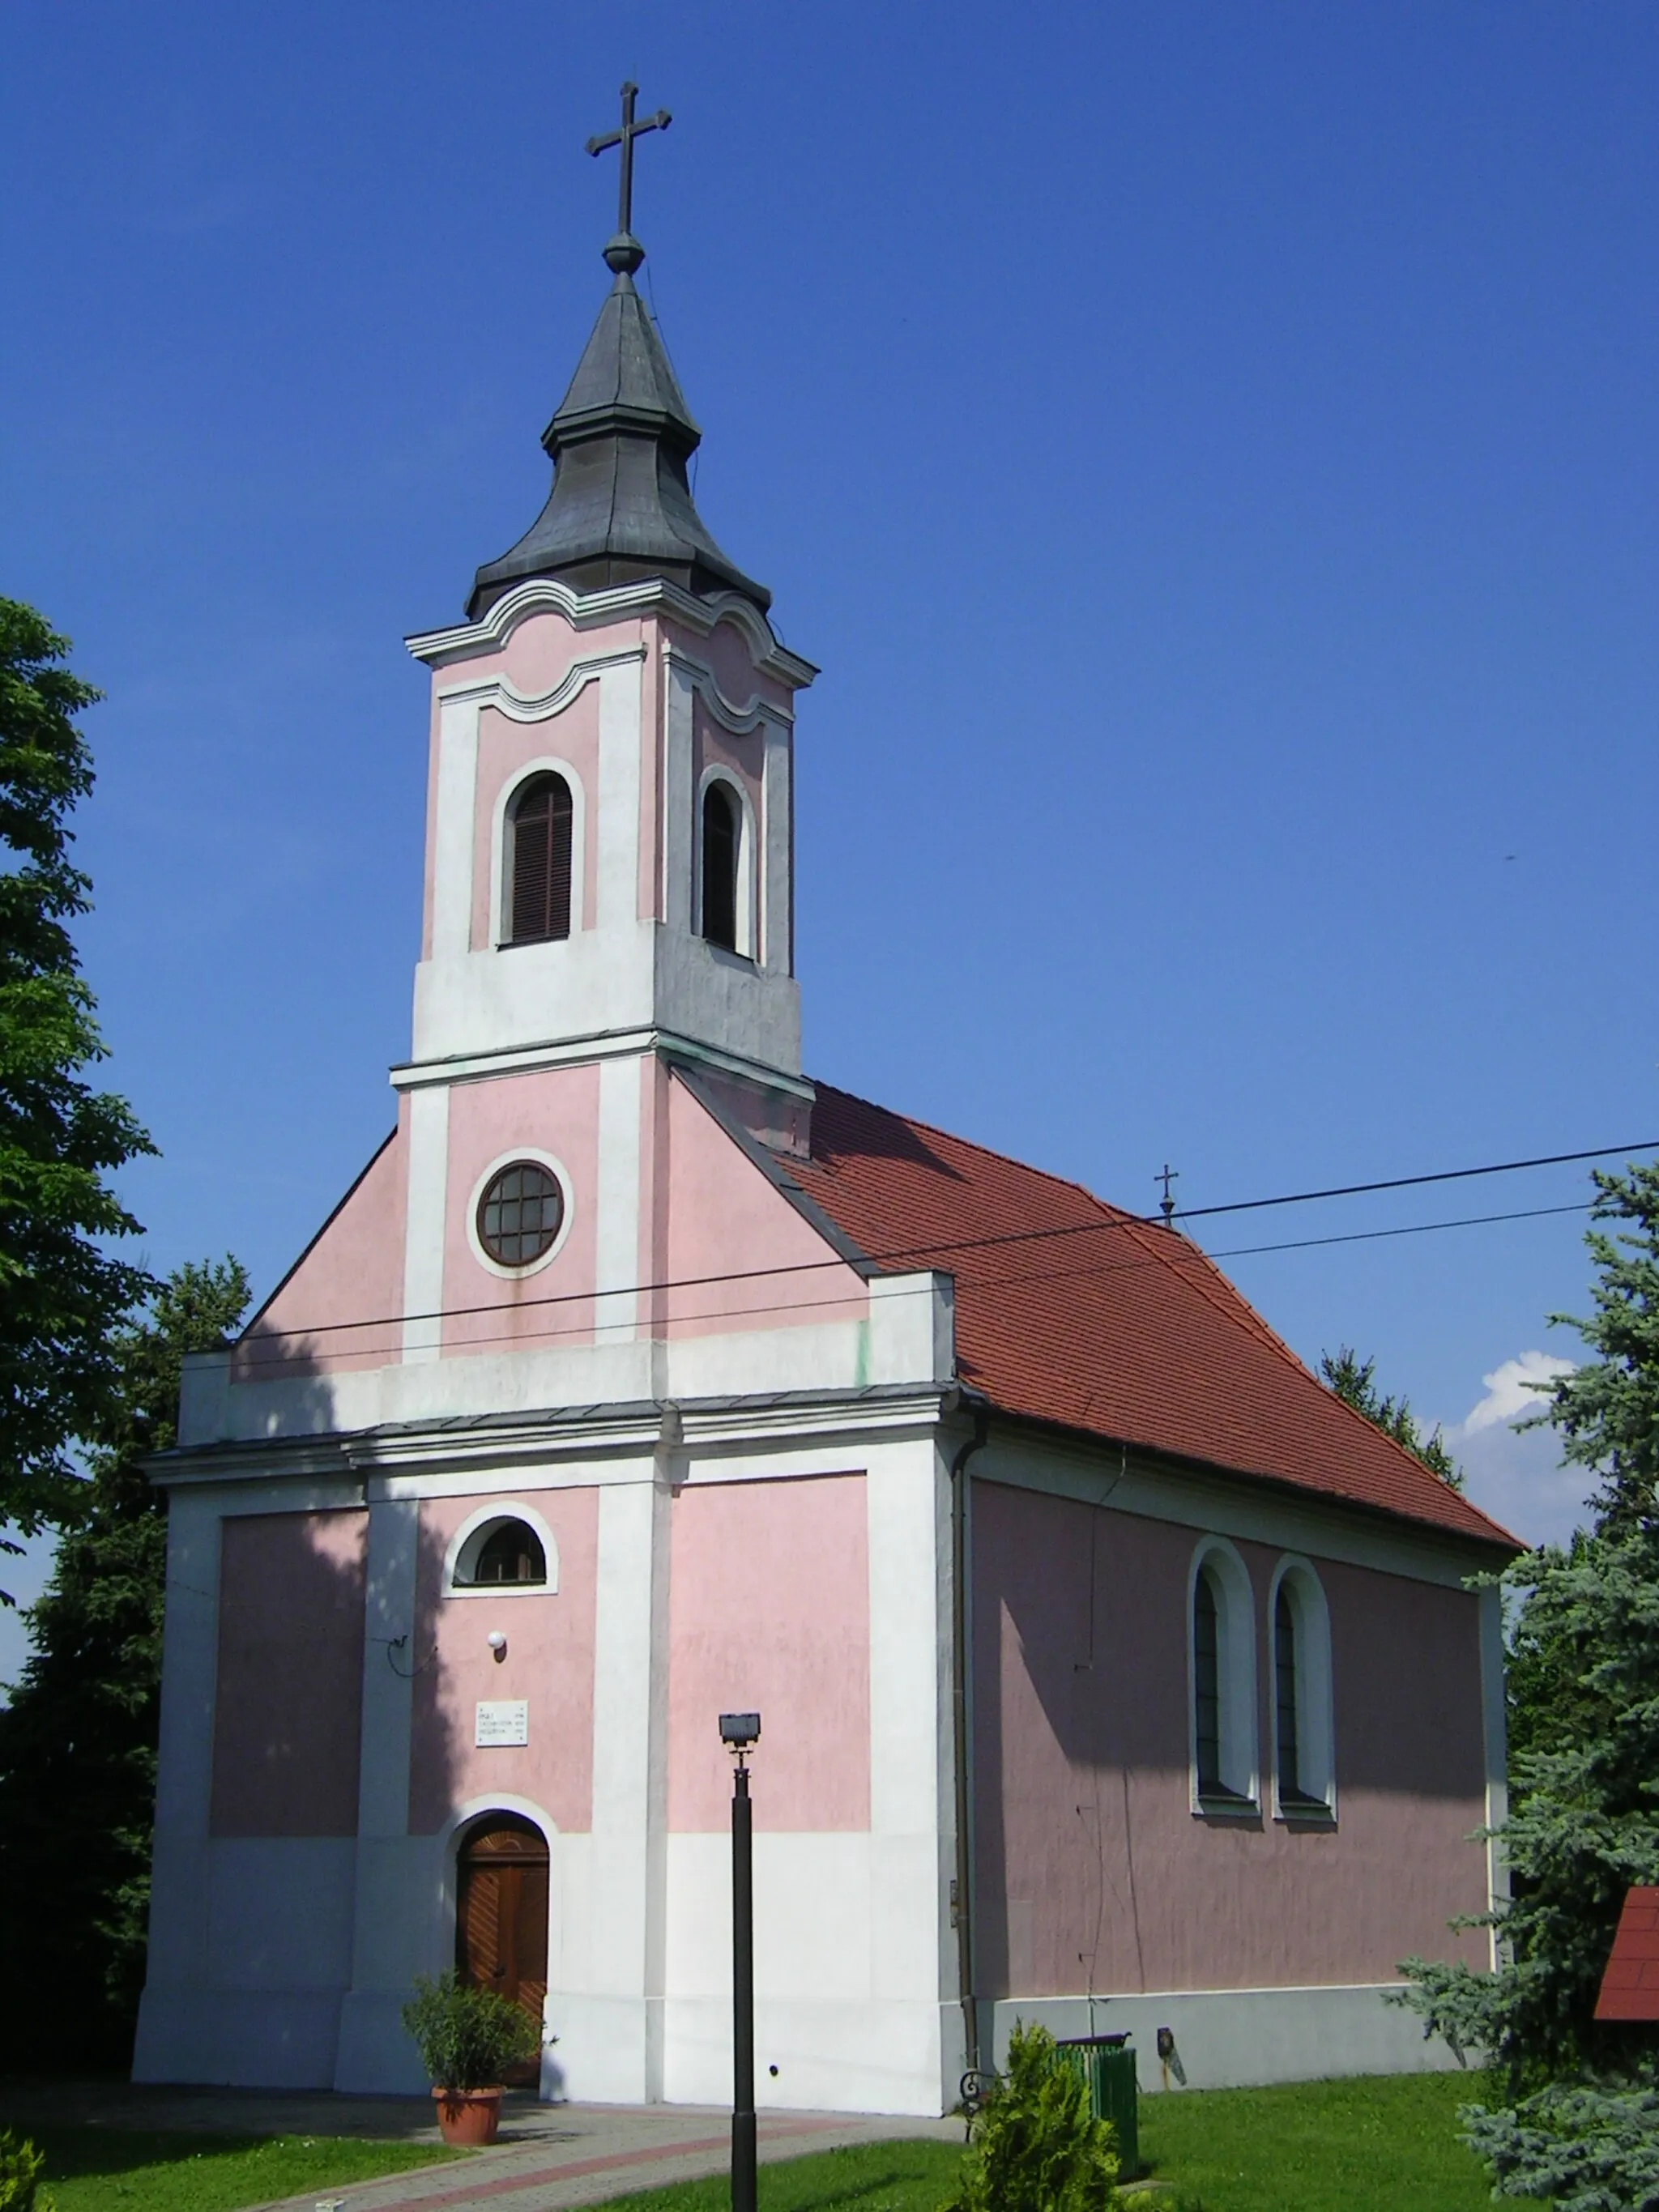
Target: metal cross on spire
point(1168, 1176)
point(632, 254)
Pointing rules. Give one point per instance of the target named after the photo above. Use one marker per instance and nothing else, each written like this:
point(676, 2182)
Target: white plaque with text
point(502, 1719)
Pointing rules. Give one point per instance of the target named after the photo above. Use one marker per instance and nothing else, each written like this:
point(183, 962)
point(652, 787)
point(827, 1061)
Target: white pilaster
point(621, 695)
point(616, 1231)
point(454, 829)
point(777, 921)
point(179, 1886)
point(1496, 1731)
point(678, 830)
point(424, 1223)
point(392, 1911)
point(606, 2030)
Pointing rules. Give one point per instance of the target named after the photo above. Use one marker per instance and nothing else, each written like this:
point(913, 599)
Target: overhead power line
point(1410, 1183)
point(1153, 1254)
point(1116, 1221)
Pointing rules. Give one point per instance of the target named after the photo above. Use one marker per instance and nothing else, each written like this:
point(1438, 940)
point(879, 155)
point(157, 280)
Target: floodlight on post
point(740, 1733)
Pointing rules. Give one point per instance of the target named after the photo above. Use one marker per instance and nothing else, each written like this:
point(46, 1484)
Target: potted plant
point(468, 2037)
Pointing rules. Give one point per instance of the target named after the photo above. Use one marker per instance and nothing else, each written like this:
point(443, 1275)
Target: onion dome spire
point(621, 507)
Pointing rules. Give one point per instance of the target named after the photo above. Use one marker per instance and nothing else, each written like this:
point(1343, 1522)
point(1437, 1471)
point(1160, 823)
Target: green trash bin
point(1107, 2065)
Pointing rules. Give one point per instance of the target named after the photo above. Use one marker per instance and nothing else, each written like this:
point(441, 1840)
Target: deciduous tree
point(61, 1293)
point(77, 1742)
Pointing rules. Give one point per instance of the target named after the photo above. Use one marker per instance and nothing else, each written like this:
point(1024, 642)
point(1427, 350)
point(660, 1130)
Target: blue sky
point(1210, 451)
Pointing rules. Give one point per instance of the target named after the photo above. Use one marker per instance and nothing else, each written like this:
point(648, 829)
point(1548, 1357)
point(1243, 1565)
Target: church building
point(1111, 1672)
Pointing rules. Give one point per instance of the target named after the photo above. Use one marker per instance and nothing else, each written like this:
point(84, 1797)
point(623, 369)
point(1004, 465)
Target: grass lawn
point(1369, 2145)
point(123, 2170)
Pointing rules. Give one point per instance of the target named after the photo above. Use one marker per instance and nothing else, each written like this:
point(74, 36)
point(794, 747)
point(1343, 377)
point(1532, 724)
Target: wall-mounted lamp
point(497, 1644)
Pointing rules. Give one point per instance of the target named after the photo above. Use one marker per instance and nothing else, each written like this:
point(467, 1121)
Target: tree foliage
point(61, 1294)
point(1354, 1380)
point(1584, 1771)
point(77, 1742)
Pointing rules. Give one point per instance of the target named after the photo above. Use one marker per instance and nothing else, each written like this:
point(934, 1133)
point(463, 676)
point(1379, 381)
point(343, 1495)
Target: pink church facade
point(1111, 1673)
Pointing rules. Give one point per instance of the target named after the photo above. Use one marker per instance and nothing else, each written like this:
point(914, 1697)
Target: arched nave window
point(722, 847)
point(1221, 1646)
point(1303, 1748)
point(539, 860)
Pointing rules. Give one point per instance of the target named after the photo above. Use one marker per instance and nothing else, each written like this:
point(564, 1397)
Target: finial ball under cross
point(625, 254)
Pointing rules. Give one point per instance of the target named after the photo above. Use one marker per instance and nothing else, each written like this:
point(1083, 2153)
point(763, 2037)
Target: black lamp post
point(739, 1733)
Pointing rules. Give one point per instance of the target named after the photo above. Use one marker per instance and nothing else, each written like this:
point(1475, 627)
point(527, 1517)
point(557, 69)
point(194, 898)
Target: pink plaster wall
point(725, 1219)
point(555, 1109)
point(550, 1660)
point(1092, 1869)
point(288, 1712)
point(769, 1612)
point(505, 747)
point(339, 1306)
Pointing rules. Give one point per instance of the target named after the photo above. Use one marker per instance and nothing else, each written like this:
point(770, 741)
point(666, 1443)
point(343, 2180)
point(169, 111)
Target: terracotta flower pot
point(469, 2116)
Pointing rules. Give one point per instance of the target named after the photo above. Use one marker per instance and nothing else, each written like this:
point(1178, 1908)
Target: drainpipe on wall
point(959, 1663)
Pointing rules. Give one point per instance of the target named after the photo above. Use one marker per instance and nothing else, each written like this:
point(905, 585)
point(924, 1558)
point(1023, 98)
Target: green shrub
point(467, 2036)
point(20, 2174)
point(1037, 2147)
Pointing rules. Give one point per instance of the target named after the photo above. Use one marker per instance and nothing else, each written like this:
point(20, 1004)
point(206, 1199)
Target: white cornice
point(357, 1468)
point(587, 610)
point(740, 719)
point(600, 1044)
point(501, 693)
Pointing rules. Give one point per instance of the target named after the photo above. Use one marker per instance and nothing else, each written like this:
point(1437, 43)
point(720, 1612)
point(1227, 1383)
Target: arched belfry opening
point(722, 847)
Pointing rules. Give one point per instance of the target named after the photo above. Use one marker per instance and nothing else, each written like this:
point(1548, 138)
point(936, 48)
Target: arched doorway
point(500, 1915)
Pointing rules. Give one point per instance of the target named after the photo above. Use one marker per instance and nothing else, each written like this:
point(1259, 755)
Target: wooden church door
point(501, 1919)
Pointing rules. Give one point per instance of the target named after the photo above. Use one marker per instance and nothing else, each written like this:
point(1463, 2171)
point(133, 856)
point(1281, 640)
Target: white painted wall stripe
point(620, 690)
point(423, 1225)
point(616, 1230)
point(454, 829)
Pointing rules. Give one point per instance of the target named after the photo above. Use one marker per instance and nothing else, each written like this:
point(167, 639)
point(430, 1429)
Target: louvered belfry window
point(540, 852)
point(719, 867)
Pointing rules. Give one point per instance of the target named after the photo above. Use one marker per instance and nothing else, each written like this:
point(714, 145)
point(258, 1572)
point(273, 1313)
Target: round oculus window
point(520, 1213)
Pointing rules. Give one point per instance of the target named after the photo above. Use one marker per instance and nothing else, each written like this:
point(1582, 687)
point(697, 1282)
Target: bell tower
point(610, 829)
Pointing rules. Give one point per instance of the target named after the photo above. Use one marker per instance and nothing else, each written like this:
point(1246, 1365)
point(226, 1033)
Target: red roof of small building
point(1629, 1986)
point(1069, 1311)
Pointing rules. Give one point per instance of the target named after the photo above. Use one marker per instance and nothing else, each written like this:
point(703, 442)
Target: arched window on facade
point(1207, 1683)
point(1304, 1760)
point(505, 1553)
point(539, 860)
point(1221, 1649)
point(722, 850)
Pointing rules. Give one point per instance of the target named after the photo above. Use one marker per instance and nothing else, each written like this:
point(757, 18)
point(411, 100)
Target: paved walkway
point(548, 2156)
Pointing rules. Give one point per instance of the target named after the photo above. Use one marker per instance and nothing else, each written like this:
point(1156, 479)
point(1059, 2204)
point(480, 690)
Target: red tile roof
point(1630, 1987)
point(1069, 1311)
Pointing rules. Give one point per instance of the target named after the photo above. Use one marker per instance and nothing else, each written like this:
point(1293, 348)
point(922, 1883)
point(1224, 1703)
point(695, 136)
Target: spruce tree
point(1354, 1380)
point(1580, 2122)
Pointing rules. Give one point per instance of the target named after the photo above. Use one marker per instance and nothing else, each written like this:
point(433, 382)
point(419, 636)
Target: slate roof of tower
point(621, 507)
point(1071, 1311)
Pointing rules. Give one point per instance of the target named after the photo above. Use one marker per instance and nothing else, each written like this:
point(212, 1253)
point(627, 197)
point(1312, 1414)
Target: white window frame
point(475, 1532)
point(1316, 1704)
point(501, 870)
point(560, 1175)
point(717, 772)
point(1235, 1684)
